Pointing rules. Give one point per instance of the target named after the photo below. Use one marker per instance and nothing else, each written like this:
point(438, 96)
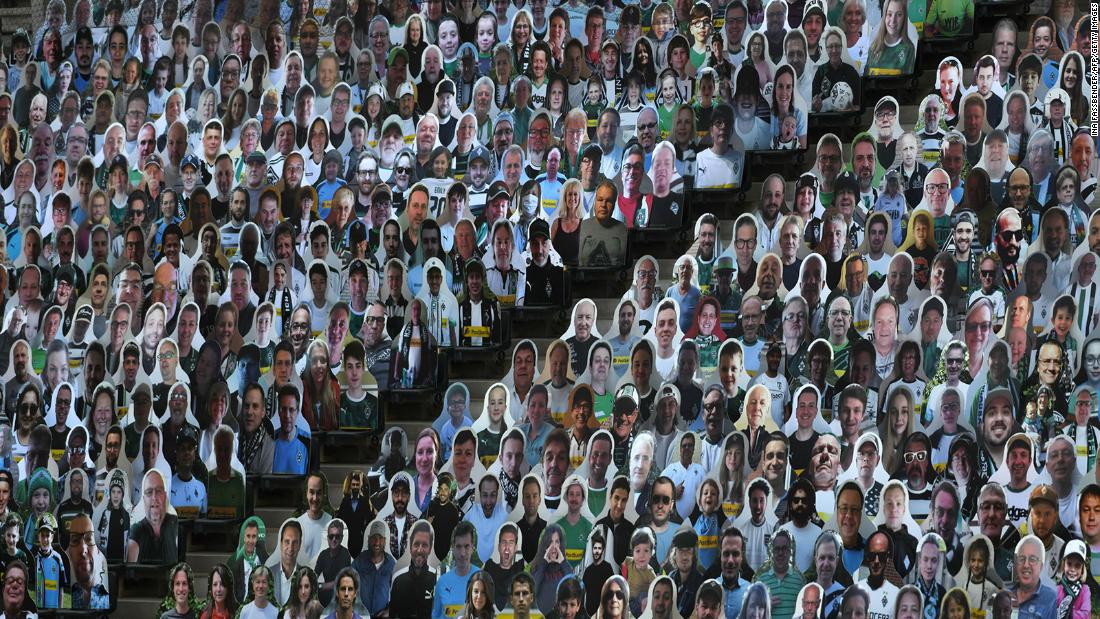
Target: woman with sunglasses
point(613, 599)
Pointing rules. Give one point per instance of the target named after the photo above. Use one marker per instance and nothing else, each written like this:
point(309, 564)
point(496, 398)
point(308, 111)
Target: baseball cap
point(482, 153)
point(405, 89)
point(668, 390)
point(1057, 95)
point(497, 191)
point(711, 589)
point(333, 156)
point(846, 181)
point(446, 86)
point(1076, 547)
point(1043, 492)
point(626, 394)
point(190, 160)
point(187, 434)
point(47, 521)
point(257, 156)
point(686, 538)
point(395, 52)
point(401, 481)
point(539, 227)
point(85, 313)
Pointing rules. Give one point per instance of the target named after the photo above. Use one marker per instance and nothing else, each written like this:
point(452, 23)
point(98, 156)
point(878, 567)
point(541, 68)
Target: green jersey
point(952, 18)
point(361, 413)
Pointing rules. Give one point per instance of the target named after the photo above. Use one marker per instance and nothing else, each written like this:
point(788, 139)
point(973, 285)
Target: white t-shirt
point(313, 535)
point(804, 539)
point(882, 599)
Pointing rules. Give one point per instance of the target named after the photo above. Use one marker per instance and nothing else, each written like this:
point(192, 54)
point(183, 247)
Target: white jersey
point(778, 387)
point(437, 194)
point(882, 599)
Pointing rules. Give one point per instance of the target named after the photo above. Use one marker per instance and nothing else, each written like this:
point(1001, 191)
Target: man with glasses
point(882, 592)
point(331, 561)
point(1084, 436)
point(661, 517)
point(783, 583)
point(836, 84)
point(88, 591)
point(646, 131)
point(153, 539)
point(1034, 600)
point(1009, 244)
point(916, 467)
point(366, 177)
point(830, 162)
point(720, 166)
point(635, 201)
point(1040, 162)
point(803, 524)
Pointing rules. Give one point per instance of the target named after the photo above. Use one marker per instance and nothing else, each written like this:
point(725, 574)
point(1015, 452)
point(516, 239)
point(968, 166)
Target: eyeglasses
point(28, 408)
point(975, 327)
point(402, 170)
point(744, 243)
point(936, 187)
point(988, 272)
point(914, 456)
point(78, 537)
point(661, 499)
point(841, 313)
point(1010, 235)
point(1031, 560)
point(374, 319)
point(615, 593)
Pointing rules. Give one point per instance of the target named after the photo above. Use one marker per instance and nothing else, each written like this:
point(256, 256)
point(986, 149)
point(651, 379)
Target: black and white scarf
point(1070, 590)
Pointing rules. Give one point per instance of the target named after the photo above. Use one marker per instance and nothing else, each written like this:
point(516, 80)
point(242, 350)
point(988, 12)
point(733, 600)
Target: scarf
point(406, 339)
point(1071, 590)
point(251, 446)
point(510, 489)
point(282, 304)
point(931, 593)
